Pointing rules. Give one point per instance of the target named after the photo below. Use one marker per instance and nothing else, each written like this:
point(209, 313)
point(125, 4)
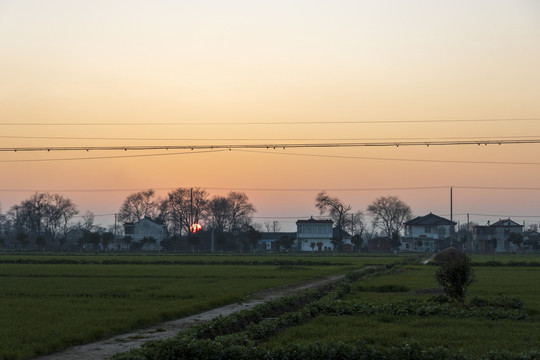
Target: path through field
point(121, 343)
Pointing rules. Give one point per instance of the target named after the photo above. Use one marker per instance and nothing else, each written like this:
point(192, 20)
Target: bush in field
point(455, 273)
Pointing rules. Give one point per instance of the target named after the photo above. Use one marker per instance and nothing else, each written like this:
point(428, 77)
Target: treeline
point(45, 221)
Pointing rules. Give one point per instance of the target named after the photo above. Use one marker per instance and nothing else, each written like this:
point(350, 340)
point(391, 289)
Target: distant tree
point(219, 208)
point(286, 242)
point(272, 226)
point(231, 213)
point(357, 224)
point(30, 214)
point(22, 238)
point(389, 213)
point(395, 241)
point(138, 205)
point(253, 237)
point(107, 238)
point(91, 238)
point(183, 207)
point(88, 221)
point(357, 241)
point(40, 242)
point(241, 210)
point(516, 239)
point(334, 208)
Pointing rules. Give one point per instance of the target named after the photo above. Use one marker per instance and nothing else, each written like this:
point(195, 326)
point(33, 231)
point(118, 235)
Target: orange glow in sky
point(123, 73)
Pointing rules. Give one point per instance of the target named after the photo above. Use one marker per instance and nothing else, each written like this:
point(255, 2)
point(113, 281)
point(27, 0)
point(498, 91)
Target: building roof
point(506, 223)
point(266, 236)
point(341, 233)
point(314, 221)
point(429, 220)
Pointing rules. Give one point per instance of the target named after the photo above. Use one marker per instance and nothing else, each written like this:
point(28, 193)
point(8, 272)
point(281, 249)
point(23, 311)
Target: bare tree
point(59, 212)
point(389, 213)
point(273, 226)
point(88, 221)
point(219, 208)
point(31, 214)
point(241, 210)
point(358, 226)
point(334, 208)
point(183, 207)
point(139, 205)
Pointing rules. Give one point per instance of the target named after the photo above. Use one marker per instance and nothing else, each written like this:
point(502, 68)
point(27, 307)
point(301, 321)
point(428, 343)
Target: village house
point(269, 240)
point(495, 237)
point(314, 235)
point(428, 233)
point(146, 234)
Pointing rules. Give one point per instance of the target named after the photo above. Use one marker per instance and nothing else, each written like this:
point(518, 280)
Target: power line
point(111, 157)
point(279, 123)
point(393, 139)
point(414, 188)
point(275, 145)
point(396, 159)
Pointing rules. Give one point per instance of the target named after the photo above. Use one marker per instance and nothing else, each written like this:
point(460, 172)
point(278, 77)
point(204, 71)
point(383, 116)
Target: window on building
point(427, 229)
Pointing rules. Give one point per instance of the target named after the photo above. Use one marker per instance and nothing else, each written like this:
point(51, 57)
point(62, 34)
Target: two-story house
point(495, 237)
point(314, 235)
point(428, 233)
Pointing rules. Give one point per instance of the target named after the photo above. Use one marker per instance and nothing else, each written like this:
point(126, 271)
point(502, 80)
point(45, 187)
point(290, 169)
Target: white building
point(428, 233)
point(147, 231)
point(314, 235)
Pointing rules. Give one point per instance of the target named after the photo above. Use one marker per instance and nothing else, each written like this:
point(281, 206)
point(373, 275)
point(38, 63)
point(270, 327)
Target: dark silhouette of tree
point(335, 209)
point(357, 241)
point(516, 239)
point(23, 239)
point(286, 242)
point(106, 239)
point(183, 207)
point(253, 237)
point(139, 205)
point(241, 210)
point(219, 208)
point(389, 213)
point(41, 242)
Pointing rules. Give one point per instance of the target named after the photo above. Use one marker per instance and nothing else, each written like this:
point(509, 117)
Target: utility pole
point(191, 209)
point(451, 204)
point(352, 224)
point(452, 211)
point(115, 234)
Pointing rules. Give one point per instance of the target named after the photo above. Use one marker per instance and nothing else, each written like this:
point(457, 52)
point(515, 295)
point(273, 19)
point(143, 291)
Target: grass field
point(49, 302)
point(474, 337)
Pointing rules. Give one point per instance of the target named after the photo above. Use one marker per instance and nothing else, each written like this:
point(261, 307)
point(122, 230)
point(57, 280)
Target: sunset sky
point(130, 73)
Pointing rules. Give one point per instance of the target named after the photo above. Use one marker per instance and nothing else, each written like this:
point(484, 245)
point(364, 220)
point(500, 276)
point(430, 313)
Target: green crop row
point(244, 340)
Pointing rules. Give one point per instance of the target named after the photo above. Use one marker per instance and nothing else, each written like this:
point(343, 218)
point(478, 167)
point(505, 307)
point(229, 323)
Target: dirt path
point(121, 343)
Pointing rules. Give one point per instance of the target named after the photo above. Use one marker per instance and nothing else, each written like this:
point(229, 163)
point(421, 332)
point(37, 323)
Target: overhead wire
point(279, 123)
point(395, 159)
point(275, 145)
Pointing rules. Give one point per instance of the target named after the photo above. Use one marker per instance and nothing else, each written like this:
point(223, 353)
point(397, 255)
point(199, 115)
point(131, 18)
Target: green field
point(49, 302)
point(474, 336)
point(392, 312)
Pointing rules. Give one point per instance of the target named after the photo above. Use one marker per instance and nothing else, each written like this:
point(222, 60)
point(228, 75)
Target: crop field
point(392, 312)
point(50, 302)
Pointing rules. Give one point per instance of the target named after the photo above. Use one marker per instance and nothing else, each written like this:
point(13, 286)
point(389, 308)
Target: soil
point(121, 343)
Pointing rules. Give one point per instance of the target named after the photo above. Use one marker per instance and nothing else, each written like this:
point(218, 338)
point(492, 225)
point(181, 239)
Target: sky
point(193, 73)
